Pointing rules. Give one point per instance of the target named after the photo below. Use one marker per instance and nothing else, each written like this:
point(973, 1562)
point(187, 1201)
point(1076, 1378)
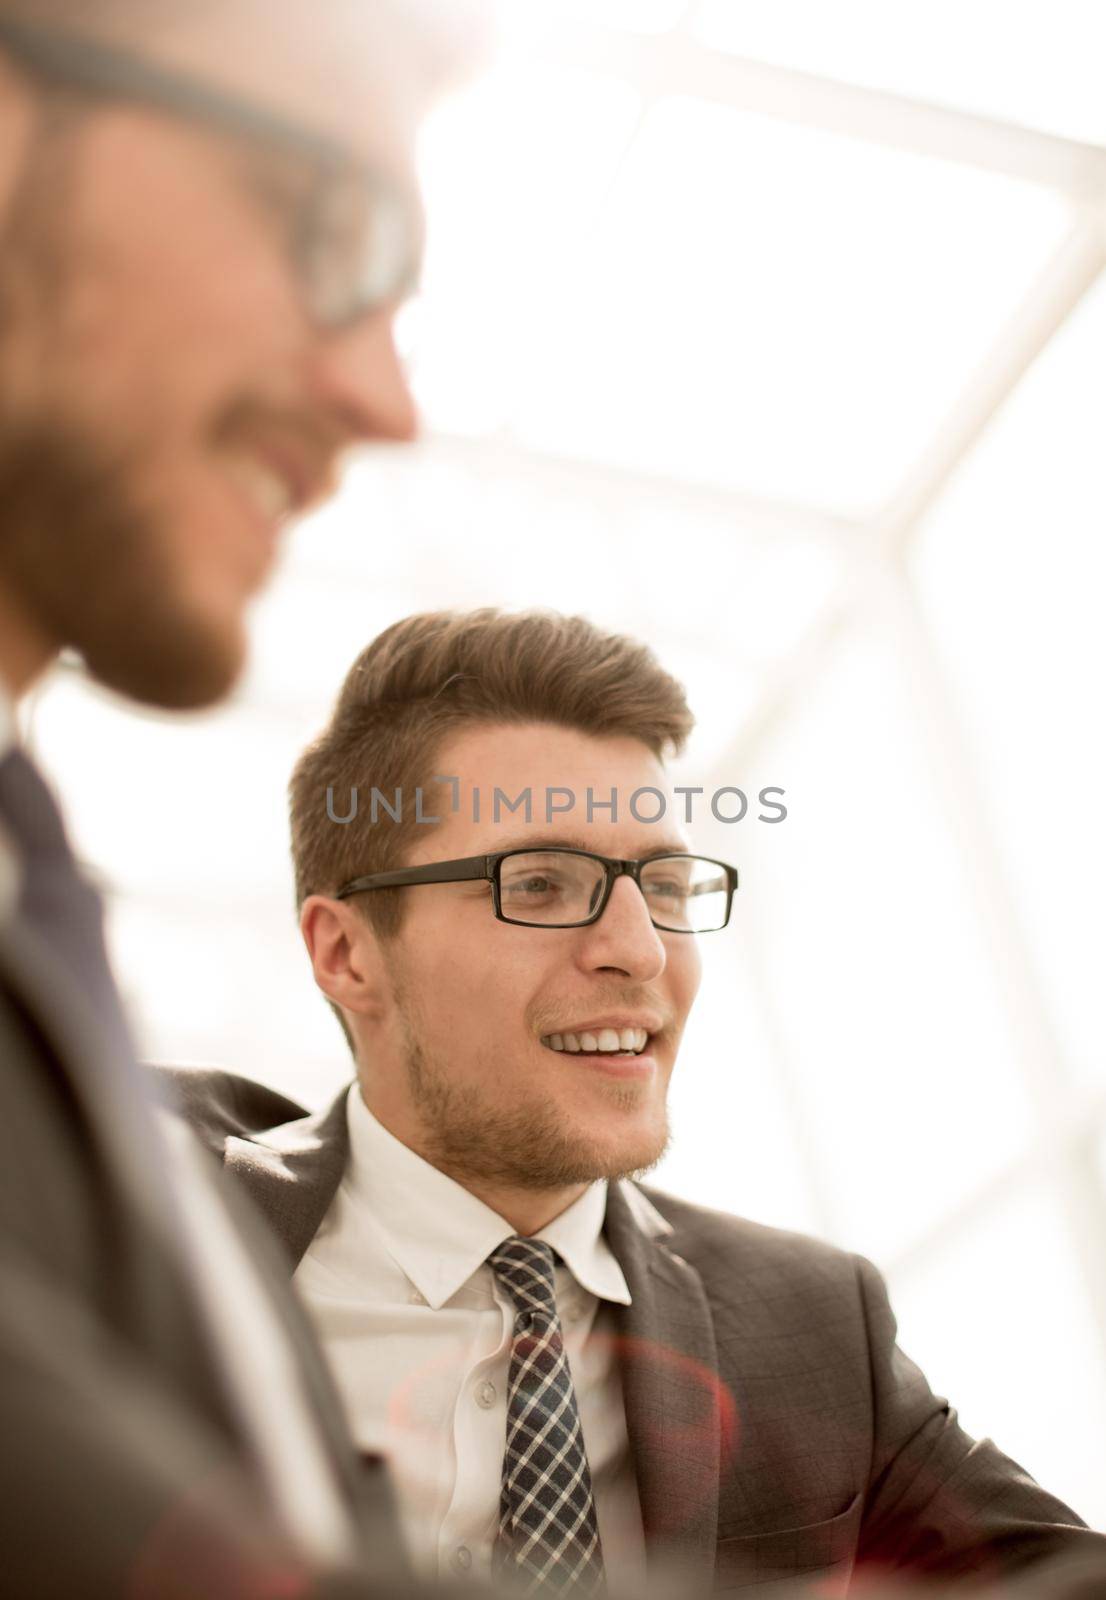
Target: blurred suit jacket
point(124, 1469)
point(779, 1434)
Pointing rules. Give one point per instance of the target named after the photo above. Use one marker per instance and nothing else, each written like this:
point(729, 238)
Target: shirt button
point(415, 1298)
point(486, 1395)
point(461, 1559)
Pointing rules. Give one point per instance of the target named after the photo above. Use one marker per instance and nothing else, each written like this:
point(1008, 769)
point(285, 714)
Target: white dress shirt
point(418, 1333)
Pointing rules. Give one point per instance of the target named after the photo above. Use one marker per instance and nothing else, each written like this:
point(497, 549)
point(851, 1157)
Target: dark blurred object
point(209, 218)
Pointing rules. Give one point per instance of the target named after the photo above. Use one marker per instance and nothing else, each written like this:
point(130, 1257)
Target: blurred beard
point(85, 562)
point(80, 559)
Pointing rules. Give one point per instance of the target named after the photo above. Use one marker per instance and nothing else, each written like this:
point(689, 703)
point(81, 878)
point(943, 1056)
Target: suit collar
point(104, 1085)
point(11, 875)
point(675, 1409)
point(292, 1172)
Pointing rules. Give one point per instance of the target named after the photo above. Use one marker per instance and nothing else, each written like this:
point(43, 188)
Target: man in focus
point(576, 1379)
point(209, 222)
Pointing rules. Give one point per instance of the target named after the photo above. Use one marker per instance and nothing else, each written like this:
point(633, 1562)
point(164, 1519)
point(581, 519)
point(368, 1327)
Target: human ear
point(345, 956)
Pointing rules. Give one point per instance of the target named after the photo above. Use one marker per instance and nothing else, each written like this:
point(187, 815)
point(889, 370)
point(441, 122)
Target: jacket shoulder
point(218, 1104)
point(752, 1247)
point(796, 1297)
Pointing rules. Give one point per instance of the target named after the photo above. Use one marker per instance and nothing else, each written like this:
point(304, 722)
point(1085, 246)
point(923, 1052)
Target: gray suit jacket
point(778, 1432)
point(124, 1469)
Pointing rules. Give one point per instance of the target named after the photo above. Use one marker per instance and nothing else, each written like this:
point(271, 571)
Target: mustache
point(608, 998)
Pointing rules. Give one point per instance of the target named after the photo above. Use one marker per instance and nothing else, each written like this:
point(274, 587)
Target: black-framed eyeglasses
point(567, 888)
point(356, 237)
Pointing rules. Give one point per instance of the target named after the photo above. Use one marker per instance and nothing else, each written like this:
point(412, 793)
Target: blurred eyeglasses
point(356, 235)
point(549, 888)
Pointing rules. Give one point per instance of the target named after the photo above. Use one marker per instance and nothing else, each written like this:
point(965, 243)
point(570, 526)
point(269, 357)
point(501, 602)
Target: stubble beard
point(476, 1140)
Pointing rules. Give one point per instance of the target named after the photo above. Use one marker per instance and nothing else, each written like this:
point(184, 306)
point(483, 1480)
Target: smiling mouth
point(268, 491)
point(623, 1042)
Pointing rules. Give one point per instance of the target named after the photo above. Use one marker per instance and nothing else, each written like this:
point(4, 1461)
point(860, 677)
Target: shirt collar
point(577, 1236)
point(439, 1234)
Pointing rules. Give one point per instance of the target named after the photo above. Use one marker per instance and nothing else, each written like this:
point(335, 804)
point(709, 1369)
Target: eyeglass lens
point(356, 235)
point(360, 248)
point(555, 888)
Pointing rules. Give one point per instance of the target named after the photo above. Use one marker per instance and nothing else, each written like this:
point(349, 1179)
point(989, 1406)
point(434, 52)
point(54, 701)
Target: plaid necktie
point(548, 1536)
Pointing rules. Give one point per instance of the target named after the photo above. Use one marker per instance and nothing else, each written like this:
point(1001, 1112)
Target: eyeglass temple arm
point(73, 57)
point(727, 880)
point(436, 872)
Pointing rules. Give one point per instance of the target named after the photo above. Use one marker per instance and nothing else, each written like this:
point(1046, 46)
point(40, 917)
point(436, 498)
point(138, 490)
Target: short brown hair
point(430, 675)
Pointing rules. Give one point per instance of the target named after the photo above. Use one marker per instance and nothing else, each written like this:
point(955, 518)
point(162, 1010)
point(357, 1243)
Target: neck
point(527, 1209)
point(25, 652)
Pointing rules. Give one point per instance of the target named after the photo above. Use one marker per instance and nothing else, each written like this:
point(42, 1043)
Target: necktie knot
point(525, 1268)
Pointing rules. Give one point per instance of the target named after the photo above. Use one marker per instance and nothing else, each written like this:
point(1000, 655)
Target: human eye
point(532, 886)
point(667, 889)
point(667, 882)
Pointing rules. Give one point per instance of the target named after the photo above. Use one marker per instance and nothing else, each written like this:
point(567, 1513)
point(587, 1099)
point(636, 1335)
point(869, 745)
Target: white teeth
point(267, 489)
point(611, 1040)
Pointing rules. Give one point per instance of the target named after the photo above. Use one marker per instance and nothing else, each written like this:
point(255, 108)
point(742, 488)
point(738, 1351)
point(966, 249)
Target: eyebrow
point(574, 842)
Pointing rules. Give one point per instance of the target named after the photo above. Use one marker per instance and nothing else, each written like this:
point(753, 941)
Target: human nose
point(358, 375)
point(624, 938)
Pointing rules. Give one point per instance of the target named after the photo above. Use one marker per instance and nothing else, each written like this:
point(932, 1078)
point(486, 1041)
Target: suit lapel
point(292, 1172)
point(118, 1123)
point(670, 1387)
point(107, 1088)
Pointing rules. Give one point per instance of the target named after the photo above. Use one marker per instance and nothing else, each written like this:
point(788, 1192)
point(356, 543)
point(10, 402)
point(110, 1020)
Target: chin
point(175, 664)
point(627, 1152)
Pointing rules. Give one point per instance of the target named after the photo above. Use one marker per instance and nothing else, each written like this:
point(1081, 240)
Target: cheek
point(477, 987)
point(438, 986)
point(169, 324)
point(176, 363)
point(686, 972)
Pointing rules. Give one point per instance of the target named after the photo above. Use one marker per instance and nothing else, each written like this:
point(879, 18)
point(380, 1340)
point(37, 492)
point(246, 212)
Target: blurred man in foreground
point(209, 221)
point(572, 1375)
